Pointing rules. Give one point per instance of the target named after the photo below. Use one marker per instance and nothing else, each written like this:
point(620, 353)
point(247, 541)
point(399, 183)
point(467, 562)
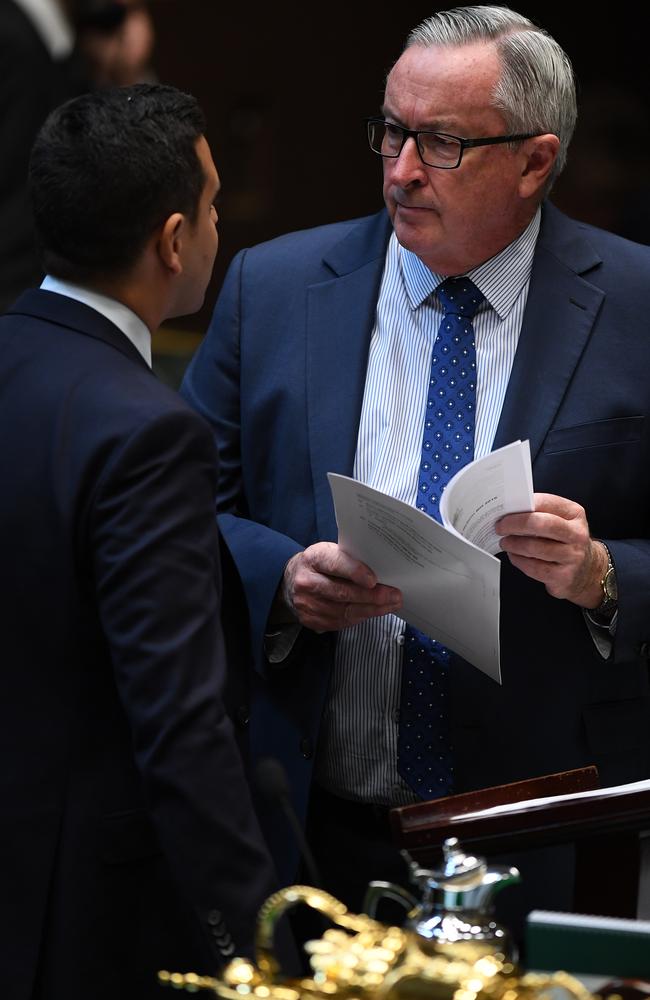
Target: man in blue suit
point(128, 841)
point(319, 359)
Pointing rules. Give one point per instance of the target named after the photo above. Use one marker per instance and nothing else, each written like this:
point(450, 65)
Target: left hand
point(552, 544)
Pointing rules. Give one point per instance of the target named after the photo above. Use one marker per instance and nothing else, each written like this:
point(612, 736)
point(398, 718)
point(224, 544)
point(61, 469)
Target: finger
point(327, 558)
point(328, 617)
point(543, 525)
point(553, 517)
point(543, 549)
point(550, 503)
point(316, 586)
point(558, 579)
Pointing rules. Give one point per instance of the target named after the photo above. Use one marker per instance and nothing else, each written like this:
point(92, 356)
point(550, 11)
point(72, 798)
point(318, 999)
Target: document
point(448, 573)
point(610, 792)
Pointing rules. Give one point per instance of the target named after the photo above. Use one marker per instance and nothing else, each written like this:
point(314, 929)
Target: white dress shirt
point(119, 314)
point(358, 741)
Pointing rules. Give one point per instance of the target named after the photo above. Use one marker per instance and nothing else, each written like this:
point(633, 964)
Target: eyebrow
point(437, 125)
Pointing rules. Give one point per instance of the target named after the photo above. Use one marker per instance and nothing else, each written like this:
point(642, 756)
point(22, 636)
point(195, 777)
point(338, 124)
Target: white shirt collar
point(54, 29)
point(119, 314)
point(500, 279)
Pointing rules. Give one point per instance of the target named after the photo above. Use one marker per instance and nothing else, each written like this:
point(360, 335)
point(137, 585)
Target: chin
point(413, 239)
point(188, 306)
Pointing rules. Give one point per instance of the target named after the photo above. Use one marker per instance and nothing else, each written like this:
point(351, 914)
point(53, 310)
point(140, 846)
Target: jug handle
point(377, 891)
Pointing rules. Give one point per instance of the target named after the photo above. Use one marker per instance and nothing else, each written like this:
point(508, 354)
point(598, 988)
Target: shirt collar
point(500, 279)
point(120, 315)
point(51, 24)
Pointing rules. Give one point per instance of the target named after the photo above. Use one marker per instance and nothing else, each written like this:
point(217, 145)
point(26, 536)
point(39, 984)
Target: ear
point(170, 242)
point(540, 155)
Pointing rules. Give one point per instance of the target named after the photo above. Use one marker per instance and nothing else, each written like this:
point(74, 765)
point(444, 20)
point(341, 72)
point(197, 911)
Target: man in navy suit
point(318, 359)
point(128, 841)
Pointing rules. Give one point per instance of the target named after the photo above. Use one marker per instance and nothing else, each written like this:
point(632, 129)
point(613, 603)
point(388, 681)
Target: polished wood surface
point(427, 824)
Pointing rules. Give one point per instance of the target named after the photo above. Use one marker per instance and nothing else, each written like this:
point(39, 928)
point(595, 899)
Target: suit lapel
point(554, 334)
point(340, 318)
point(66, 312)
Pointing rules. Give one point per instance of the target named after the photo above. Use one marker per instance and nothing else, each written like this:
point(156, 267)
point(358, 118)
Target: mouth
point(412, 208)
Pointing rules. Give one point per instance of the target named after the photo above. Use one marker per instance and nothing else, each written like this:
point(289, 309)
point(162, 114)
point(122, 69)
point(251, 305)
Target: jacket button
point(214, 918)
point(306, 748)
point(242, 716)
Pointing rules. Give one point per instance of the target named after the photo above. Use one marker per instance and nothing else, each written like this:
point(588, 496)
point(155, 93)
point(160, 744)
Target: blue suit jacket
point(127, 839)
point(281, 376)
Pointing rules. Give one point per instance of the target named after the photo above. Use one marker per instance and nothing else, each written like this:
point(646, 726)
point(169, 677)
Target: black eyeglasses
point(436, 149)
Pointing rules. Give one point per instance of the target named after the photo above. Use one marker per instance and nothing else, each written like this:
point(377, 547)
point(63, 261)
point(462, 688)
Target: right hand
point(327, 590)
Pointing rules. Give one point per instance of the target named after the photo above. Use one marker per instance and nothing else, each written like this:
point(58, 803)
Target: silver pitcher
point(456, 900)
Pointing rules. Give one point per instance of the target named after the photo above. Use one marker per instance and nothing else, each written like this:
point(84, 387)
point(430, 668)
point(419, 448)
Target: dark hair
point(106, 169)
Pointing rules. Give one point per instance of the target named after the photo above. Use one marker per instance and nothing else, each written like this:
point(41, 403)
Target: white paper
point(449, 585)
point(483, 491)
point(611, 791)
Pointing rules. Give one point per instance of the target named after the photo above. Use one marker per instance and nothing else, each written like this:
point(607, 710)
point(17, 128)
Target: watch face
point(609, 585)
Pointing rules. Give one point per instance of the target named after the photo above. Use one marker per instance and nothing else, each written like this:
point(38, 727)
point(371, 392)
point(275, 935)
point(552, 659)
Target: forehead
point(427, 82)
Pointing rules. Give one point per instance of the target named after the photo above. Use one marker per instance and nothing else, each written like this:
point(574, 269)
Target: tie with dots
point(424, 751)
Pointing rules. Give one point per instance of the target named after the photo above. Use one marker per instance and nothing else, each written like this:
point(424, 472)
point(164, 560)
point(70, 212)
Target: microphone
point(273, 783)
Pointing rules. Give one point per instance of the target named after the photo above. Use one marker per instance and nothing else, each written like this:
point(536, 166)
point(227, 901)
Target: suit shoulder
point(614, 245)
point(559, 230)
point(306, 247)
point(89, 379)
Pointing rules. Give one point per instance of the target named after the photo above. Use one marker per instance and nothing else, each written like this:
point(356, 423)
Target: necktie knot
point(459, 296)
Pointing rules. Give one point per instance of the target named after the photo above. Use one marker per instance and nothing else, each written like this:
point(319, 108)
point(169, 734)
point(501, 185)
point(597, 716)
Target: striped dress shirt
point(358, 742)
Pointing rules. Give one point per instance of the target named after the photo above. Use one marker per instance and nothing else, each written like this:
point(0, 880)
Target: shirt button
point(400, 640)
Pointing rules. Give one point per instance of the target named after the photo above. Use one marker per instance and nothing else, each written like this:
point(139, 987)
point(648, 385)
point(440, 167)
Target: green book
point(579, 943)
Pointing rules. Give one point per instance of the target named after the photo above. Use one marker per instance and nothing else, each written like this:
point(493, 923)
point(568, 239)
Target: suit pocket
point(619, 430)
point(127, 836)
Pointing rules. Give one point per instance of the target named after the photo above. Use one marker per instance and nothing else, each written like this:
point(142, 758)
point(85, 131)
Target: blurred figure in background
point(50, 51)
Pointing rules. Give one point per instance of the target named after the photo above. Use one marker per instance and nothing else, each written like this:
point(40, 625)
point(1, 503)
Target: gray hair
point(536, 91)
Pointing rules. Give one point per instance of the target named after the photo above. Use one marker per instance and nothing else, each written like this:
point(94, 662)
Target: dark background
point(277, 83)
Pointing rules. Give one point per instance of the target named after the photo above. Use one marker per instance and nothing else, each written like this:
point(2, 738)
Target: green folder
point(579, 943)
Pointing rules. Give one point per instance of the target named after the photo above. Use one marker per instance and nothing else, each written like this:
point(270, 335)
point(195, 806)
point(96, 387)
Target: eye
point(393, 135)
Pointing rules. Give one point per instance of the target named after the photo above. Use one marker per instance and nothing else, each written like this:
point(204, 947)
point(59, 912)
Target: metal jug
point(456, 900)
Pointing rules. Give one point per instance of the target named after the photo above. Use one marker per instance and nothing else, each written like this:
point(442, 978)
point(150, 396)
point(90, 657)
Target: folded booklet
point(448, 573)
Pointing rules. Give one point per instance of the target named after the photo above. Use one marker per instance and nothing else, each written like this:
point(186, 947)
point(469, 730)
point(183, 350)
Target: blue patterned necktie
point(424, 751)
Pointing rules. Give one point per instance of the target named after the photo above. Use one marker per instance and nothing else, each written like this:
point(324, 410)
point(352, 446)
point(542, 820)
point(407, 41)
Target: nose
point(407, 168)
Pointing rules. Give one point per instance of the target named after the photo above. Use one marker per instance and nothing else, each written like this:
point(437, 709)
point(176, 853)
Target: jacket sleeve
point(212, 387)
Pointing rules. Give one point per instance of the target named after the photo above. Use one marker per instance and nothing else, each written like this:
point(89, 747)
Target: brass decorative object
point(361, 959)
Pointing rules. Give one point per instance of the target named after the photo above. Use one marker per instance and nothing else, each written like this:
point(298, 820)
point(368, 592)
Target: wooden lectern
point(604, 824)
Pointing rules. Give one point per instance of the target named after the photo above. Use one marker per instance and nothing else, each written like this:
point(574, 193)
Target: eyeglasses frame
point(410, 133)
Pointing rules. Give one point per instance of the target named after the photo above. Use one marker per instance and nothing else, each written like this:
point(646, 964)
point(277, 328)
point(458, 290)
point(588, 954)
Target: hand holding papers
point(448, 573)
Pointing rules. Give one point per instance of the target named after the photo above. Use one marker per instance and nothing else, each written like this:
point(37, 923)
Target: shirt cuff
point(279, 643)
point(602, 633)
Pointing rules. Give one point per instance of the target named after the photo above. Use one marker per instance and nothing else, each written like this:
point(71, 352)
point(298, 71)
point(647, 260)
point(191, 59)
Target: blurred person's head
point(117, 39)
point(122, 185)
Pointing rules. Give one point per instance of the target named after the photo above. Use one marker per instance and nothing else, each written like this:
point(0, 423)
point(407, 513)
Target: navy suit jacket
point(128, 842)
point(281, 374)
